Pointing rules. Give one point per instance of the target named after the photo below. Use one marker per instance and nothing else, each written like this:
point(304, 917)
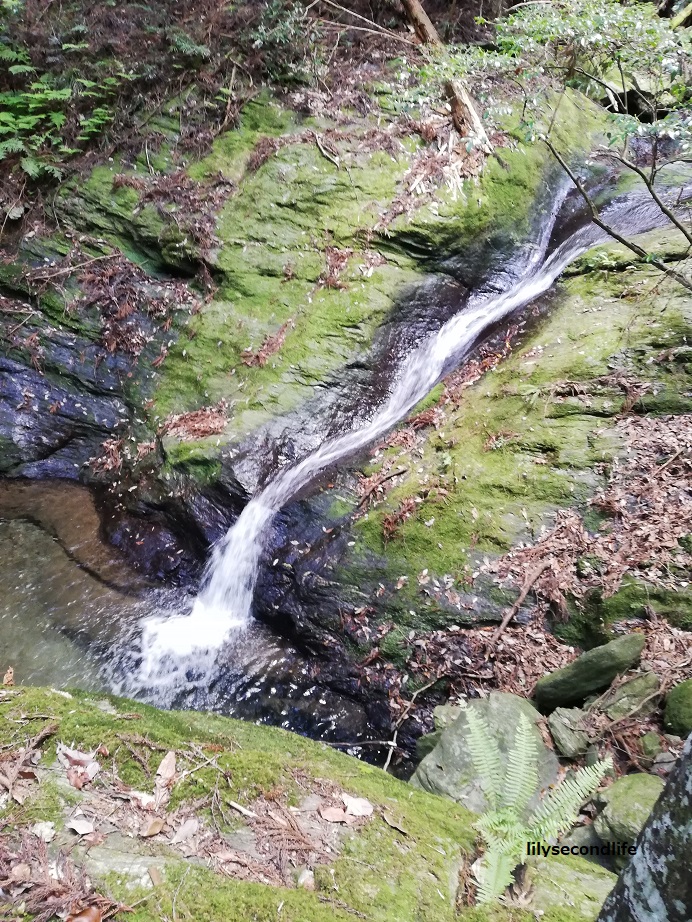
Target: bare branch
point(599, 222)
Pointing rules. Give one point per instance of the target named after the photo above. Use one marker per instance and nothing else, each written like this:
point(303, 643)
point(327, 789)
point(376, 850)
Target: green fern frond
point(31, 166)
point(502, 829)
point(11, 146)
point(559, 809)
point(487, 760)
point(521, 776)
point(493, 875)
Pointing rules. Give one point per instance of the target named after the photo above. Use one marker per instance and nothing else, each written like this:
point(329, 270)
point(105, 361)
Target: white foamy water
point(174, 648)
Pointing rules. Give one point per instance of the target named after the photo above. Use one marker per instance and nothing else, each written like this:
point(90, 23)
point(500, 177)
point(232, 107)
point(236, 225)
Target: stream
point(92, 627)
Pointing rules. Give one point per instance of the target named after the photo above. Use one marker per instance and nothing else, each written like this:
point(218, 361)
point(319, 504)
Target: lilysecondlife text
point(605, 848)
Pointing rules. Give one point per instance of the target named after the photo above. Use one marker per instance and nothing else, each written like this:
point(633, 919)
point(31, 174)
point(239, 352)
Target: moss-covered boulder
point(208, 818)
point(246, 810)
point(636, 696)
point(678, 712)
point(571, 885)
point(449, 770)
point(656, 883)
point(628, 803)
point(590, 672)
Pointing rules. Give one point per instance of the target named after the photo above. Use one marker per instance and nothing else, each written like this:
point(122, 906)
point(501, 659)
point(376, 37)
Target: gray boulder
point(569, 734)
point(448, 770)
point(628, 804)
point(590, 672)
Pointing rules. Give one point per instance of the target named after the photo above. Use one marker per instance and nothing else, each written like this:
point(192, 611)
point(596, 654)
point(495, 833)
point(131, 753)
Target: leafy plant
point(285, 36)
point(509, 783)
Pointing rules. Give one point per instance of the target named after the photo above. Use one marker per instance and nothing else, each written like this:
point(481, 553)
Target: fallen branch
point(404, 714)
point(529, 582)
point(464, 115)
point(610, 231)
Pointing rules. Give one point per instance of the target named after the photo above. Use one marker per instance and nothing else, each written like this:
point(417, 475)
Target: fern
point(486, 757)
point(509, 785)
point(521, 777)
point(558, 810)
point(494, 875)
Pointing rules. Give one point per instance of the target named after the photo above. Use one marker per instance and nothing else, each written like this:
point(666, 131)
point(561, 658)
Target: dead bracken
point(197, 424)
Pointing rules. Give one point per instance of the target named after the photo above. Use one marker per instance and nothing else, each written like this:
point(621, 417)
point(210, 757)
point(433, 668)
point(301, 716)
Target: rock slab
point(590, 672)
point(449, 771)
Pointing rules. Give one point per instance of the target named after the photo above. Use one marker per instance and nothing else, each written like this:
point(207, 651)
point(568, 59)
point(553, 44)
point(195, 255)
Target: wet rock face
point(656, 886)
point(49, 429)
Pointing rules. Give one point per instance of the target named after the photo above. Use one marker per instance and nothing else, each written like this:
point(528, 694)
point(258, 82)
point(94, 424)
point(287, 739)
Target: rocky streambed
point(172, 401)
point(191, 326)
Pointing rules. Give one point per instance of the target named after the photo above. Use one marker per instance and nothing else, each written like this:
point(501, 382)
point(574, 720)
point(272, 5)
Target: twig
point(637, 707)
point(404, 714)
point(380, 29)
point(530, 580)
point(670, 460)
point(610, 231)
point(68, 269)
point(175, 895)
point(243, 810)
point(377, 485)
point(324, 152)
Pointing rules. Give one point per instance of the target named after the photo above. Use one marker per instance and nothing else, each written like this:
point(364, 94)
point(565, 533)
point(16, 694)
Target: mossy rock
point(449, 769)
point(568, 731)
point(404, 867)
point(590, 672)
point(401, 864)
point(636, 696)
point(571, 885)
point(628, 803)
point(678, 713)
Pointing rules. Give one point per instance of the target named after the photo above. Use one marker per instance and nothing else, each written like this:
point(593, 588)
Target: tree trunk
point(656, 886)
point(420, 21)
point(464, 115)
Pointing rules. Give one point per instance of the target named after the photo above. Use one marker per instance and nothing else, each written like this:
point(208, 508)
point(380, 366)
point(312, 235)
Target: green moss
point(678, 713)
point(381, 871)
point(518, 447)
point(632, 599)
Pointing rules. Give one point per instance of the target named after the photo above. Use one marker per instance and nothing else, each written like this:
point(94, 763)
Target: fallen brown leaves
point(649, 506)
point(18, 766)
point(111, 460)
point(271, 345)
point(43, 888)
point(199, 423)
point(188, 205)
point(128, 302)
point(337, 261)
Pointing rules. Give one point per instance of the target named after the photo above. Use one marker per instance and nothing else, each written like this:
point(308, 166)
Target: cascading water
point(174, 648)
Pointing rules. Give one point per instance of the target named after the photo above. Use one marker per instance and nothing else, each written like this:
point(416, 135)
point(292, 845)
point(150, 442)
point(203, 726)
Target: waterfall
point(188, 643)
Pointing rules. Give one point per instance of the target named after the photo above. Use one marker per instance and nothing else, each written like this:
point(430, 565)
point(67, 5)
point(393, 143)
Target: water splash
point(185, 647)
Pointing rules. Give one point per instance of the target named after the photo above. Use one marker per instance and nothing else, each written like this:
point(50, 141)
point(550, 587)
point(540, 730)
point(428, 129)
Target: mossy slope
point(402, 864)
